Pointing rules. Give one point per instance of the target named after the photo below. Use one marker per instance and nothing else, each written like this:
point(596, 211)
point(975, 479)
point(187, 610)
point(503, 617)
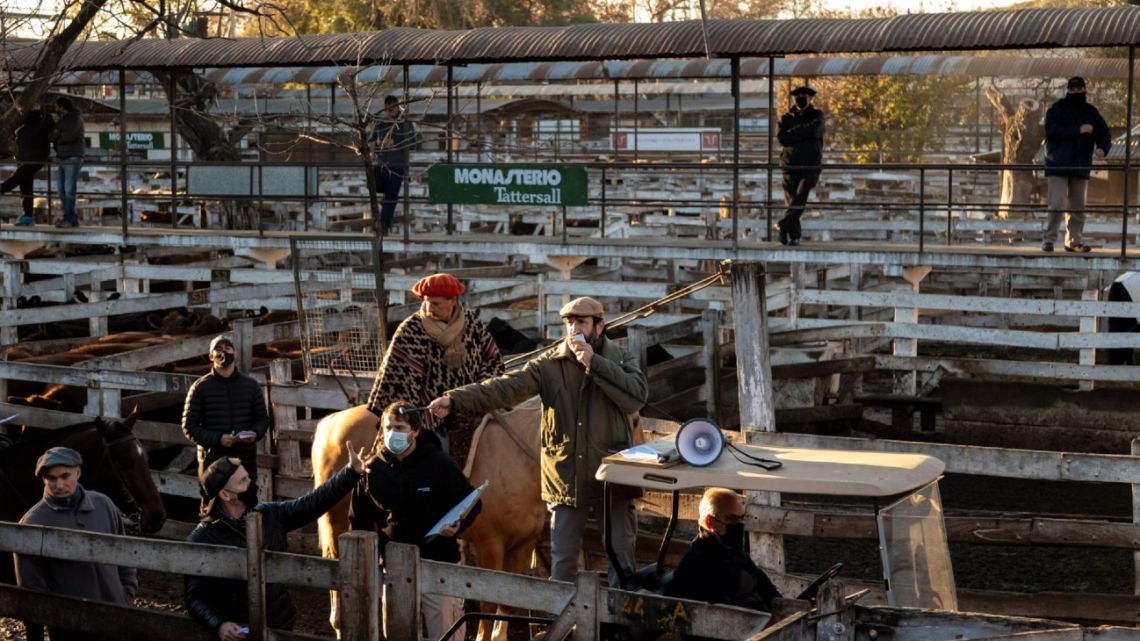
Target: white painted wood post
point(255, 576)
point(284, 420)
point(96, 325)
point(587, 602)
point(637, 342)
point(710, 357)
point(12, 277)
point(1088, 326)
point(757, 413)
point(794, 288)
point(243, 337)
point(906, 383)
point(401, 591)
point(359, 579)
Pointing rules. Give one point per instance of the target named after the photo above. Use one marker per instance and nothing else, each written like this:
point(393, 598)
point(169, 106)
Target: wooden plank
point(255, 576)
point(163, 556)
point(520, 591)
point(702, 620)
point(985, 461)
point(992, 305)
point(359, 591)
point(993, 367)
point(162, 434)
point(94, 617)
point(402, 586)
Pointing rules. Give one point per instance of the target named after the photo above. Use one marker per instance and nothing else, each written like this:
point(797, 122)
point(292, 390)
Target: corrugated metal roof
point(1010, 29)
point(539, 72)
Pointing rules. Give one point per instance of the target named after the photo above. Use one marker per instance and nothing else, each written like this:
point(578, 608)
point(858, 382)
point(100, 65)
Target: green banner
point(136, 140)
point(488, 184)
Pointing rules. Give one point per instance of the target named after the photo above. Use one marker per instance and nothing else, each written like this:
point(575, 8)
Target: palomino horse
point(504, 451)
point(114, 463)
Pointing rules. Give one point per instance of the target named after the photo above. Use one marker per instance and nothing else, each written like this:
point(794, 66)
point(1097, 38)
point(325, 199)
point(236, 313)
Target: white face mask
point(396, 442)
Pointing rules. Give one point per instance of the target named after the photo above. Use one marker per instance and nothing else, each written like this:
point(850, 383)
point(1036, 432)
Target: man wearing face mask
point(590, 389)
point(717, 569)
point(409, 487)
point(801, 134)
point(441, 346)
point(225, 414)
point(1074, 133)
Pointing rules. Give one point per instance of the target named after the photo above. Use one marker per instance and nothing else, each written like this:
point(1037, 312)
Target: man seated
point(717, 569)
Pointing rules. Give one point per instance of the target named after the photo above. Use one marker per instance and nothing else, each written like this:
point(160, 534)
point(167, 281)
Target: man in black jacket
point(222, 605)
point(717, 569)
point(1074, 132)
point(801, 134)
point(225, 413)
point(409, 487)
point(33, 149)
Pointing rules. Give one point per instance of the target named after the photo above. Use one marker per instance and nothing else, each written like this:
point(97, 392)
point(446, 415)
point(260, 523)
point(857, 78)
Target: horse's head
point(124, 457)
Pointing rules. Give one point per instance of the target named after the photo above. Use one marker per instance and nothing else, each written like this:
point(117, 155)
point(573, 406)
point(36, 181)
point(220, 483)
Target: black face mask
point(733, 536)
point(224, 359)
point(801, 101)
point(1077, 97)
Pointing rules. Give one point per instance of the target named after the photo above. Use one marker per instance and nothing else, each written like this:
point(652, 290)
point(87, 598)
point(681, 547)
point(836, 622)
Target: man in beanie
point(590, 389)
point(67, 504)
point(441, 346)
point(801, 133)
point(1074, 133)
point(225, 412)
point(222, 605)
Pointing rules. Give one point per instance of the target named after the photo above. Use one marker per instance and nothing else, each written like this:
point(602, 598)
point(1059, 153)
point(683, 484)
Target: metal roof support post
point(636, 119)
point(478, 117)
point(617, 118)
point(123, 167)
point(1127, 151)
point(173, 152)
point(736, 152)
point(406, 101)
point(771, 130)
point(450, 207)
point(754, 378)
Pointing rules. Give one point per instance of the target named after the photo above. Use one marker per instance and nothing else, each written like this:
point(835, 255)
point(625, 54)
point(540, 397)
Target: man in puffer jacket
point(225, 413)
point(222, 605)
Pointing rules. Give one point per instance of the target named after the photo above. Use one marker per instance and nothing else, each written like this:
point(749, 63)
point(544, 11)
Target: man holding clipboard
point(415, 493)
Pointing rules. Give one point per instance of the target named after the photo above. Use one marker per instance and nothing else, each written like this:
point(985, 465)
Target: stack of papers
point(662, 451)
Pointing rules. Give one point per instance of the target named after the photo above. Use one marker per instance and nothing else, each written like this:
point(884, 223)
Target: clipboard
point(457, 513)
point(660, 453)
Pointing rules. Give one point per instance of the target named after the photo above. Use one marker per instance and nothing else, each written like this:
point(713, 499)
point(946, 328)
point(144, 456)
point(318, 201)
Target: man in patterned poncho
point(440, 347)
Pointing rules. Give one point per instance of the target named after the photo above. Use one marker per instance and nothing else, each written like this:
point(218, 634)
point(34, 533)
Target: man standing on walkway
point(33, 150)
point(590, 390)
point(70, 147)
point(67, 505)
point(801, 134)
point(392, 138)
point(1074, 133)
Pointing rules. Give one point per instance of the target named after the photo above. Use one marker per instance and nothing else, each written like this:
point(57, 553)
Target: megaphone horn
point(699, 442)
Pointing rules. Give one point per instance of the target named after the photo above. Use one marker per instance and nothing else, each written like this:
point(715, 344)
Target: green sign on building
point(136, 140)
point(488, 184)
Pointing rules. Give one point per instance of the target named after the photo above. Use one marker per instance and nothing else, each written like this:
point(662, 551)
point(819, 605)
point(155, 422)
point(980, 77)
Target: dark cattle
point(1118, 291)
point(511, 340)
point(269, 317)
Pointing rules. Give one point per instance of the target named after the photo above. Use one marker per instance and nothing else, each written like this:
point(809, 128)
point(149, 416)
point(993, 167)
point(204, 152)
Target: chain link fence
point(341, 331)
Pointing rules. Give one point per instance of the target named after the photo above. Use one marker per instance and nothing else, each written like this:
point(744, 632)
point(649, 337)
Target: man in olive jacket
point(589, 389)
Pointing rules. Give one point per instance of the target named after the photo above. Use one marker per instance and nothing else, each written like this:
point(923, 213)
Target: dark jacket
point(1068, 152)
point(213, 601)
point(68, 135)
point(33, 138)
point(801, 134)
point(393, 139)
point(586, 414)
point(402, 500)
point(713, 573)
point(217, 405)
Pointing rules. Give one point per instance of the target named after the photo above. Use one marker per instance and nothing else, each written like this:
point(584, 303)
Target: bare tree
point(1022, 131)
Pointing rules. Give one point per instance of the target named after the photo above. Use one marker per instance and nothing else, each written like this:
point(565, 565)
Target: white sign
point(666, 139)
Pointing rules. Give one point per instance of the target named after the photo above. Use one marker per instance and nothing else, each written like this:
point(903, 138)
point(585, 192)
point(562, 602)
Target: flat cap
point(584, 306)
point(58, 456)
point(442, 285)
point(219, 339)
point(215, 477)
point(803, 89)
point(1076, 82)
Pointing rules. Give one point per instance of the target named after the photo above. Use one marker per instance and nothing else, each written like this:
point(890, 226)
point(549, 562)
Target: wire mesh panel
point(340, 329)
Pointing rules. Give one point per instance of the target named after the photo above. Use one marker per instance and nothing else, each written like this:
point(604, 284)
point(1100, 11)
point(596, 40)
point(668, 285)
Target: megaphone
point(699, 442)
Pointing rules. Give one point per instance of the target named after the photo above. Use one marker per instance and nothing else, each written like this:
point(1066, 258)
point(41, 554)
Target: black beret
point(803, 89)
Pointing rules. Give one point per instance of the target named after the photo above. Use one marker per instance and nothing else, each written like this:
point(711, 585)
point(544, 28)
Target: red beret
point(442, 285)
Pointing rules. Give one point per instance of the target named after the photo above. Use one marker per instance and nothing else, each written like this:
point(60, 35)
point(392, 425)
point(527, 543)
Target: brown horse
point(114, 463)
point(504, 451)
